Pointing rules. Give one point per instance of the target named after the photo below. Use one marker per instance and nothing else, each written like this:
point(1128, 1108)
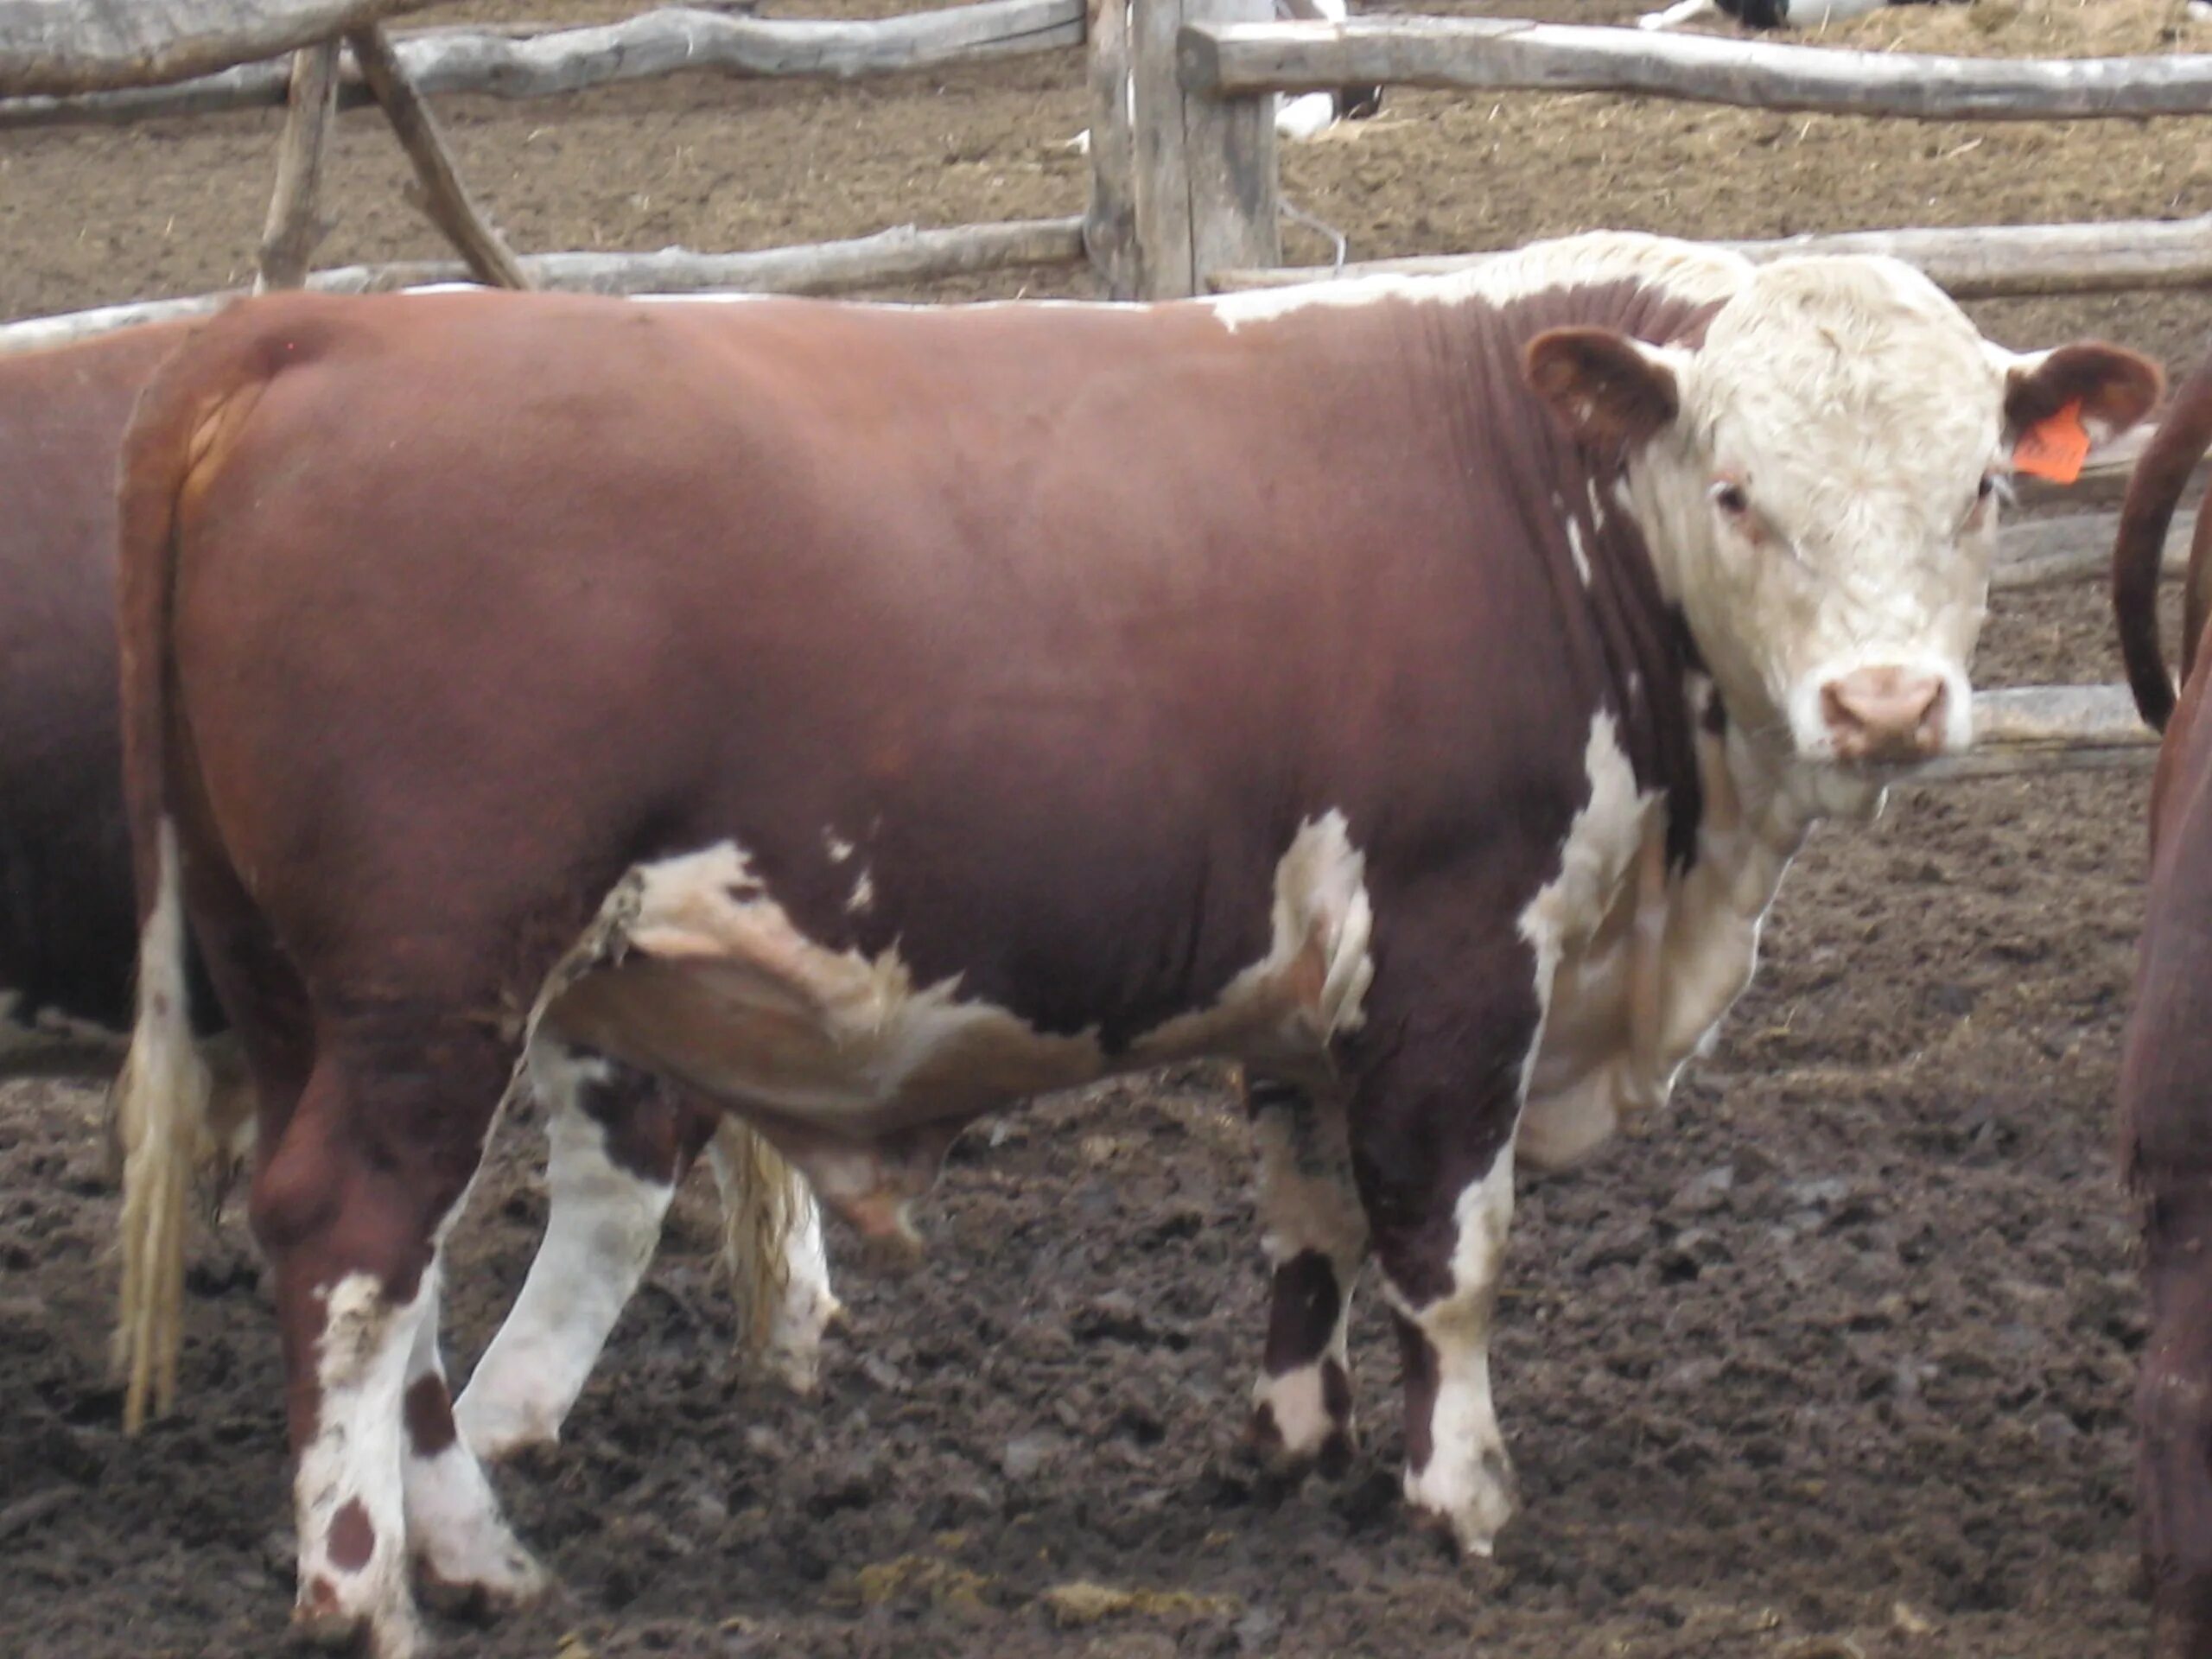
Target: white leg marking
point(1307, 1203)
point(350, 1507)
point(1468, 1479)
point(599, 1234)
point(453, 1525)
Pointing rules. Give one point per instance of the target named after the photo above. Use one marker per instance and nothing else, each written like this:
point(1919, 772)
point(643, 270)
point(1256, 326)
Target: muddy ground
point(1831, 1359)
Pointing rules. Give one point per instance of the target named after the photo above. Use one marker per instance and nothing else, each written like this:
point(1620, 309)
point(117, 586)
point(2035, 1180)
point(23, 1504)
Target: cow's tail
point(161, 1103)
point(761, 1200)
point(163, 1100)
point(2138, 551)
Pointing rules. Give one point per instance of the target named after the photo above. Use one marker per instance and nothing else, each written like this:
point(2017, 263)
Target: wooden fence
point(1225, 64)
point(85, 61)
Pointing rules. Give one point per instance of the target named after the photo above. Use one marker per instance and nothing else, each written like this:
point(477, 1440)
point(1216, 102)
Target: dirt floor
point(1833, 1359)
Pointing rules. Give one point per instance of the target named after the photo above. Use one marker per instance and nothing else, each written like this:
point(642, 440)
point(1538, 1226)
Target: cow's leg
point(462, 1547)
point(349, 1209)
point(1432, 1135)
point(2165, 1090)
point(618, 1144)
point(2173, 1413)
point(772, 1255)
point(1316, 1239)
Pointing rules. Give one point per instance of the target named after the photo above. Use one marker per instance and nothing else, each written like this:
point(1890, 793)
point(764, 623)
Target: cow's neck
point(1621, 647)
point(1633, 1000)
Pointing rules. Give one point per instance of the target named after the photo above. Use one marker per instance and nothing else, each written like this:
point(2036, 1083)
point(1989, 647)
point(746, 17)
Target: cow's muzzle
point(1886, 716)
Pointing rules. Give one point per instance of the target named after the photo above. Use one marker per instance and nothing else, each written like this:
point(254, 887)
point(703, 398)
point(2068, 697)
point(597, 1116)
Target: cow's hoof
point(481, 1599)
point(1301, 1418)
point(1337, 1455)
point(480, 1574)
point(1472, 1496)
point(322, 1618)
point(1331, 1456)
point(792, 1356)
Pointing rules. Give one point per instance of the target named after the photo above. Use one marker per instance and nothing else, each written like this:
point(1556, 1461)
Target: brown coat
point(2165, 1098)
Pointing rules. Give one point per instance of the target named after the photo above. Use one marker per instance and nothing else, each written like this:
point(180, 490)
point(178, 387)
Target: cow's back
point(67, 922)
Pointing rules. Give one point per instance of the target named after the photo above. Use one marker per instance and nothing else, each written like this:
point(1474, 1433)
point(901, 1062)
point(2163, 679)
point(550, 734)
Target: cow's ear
point(1608, 391)
point(2108, 387)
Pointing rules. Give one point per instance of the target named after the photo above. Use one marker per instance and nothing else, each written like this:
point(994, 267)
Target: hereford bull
point(871, 716)
point(2166, 1114)
point(68, 922)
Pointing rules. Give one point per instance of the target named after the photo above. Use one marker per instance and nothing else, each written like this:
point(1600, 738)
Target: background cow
point(1774, 14)
point(67, 927)
point(2166, 1072)
point(772, 696)
point(1301, 114)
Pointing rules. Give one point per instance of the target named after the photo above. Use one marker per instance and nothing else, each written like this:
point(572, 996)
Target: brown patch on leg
point(650, 1131)
point(1339, 1452)
point(428, 1410)
point(352, 1540)
point(1302, 1313)
point(1418, 1359)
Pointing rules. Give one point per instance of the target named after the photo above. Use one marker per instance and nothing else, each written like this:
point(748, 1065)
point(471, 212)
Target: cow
point(69, 923)
point(871, 717)
point(2165, 1112)
point(1774, 14)
point(1298, 116)
point(1308, 115)
point(69, 927)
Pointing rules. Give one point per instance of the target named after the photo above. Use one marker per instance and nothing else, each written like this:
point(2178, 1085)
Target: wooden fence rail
point(63, 46)
point(1985, 262)
point(2054, 552)
point(1499, 54)
point(903, 254)
point(672, 40)
point(2040, 728)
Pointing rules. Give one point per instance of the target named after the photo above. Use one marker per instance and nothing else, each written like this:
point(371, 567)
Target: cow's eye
point(1729, 497)
point(1986, 488)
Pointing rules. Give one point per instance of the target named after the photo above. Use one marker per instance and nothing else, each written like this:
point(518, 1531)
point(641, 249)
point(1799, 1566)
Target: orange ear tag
point(2053, 449)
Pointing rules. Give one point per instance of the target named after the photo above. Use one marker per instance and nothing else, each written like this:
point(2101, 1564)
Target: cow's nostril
point(1886, 713)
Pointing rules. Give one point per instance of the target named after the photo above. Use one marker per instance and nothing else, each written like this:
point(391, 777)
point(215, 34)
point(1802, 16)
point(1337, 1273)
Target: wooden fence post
point(1109, 229)
point(445, 199)
point(1206, 166)
point(296, 222)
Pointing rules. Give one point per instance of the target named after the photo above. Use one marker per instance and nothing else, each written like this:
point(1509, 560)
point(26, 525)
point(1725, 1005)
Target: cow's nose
point(1886, 715)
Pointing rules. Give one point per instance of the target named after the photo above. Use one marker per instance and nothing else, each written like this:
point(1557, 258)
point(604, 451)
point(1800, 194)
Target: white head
point(1817, 478)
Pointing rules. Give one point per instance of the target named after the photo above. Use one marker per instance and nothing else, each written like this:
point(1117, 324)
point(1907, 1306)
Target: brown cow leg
point(2173, 1408)
point(1316, 1241)
point(620, 1139)
point(349, 1208)
point(2166, 1106)
point(1432, 1127)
